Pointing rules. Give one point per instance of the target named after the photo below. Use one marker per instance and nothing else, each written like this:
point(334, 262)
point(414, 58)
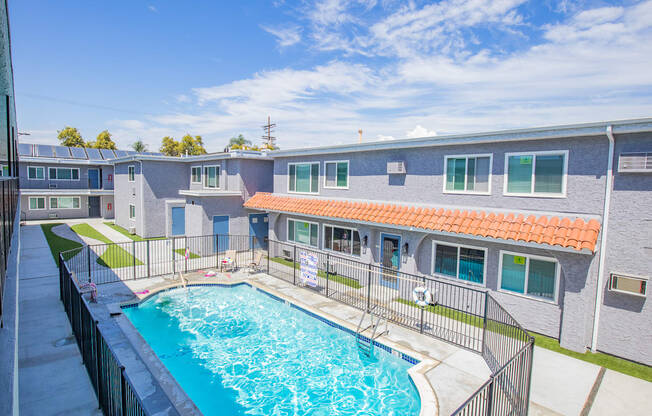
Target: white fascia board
point(204, 193)
point(53, 161)
point(56, 192)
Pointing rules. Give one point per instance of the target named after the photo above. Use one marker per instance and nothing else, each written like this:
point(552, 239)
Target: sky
point(325, 69)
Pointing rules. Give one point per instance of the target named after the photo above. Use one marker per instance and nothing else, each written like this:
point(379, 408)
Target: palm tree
point(239, 142)
point(139, 146)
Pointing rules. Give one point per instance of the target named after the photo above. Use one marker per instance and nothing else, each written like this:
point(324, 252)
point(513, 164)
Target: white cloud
point(152, 9)
point(287, 36)
point(420, 131)
point(183, 98)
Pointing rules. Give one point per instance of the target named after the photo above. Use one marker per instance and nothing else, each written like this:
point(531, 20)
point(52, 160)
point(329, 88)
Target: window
point(540, 173)
point(303, 232)
point(529, 275)
point(132, 211)
point(211, 176)
point(628, 284)
point(195, 174)
point(64, 174)
point(337, 174)
point(36, 172)
point(468, 174)
point(459, 262)
point(64, 202)
point(4, 171)
point(36, 202)
point(303, 177)
point(132, 173)
point(342, 240)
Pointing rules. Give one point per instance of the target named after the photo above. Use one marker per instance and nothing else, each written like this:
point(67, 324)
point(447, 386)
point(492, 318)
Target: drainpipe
point(142, 199)
point(603, 240)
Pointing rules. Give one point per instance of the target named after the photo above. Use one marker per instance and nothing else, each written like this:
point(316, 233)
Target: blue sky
point(325, 69)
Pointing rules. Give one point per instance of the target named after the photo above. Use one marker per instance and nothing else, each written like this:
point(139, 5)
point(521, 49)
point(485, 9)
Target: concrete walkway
point(52, 378)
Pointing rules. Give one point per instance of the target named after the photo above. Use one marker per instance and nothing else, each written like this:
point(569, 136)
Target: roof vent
point(635, 162)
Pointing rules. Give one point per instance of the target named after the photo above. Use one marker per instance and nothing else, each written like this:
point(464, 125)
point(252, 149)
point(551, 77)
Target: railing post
point(133, 254)
point(369, 288)
point(484, 324)
point(123, 391)
point(294, 266)
point(253, 243)
point(60, 277)
point(328, 267)
point(148, 260)
point(267, 243)
point(490, 395)
point(185, 245)
point(174, 260)
point(217, 251)
point(88, 258)
point(423, 308)
point(98, 364)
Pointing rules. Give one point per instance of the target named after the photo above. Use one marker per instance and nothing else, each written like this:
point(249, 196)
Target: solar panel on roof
point(94, 154)
point(107, 154)
point(131, 152)
point(44, 150)
point(24, 149)
point(78, 153)
point(120, 153)
point(61, 151)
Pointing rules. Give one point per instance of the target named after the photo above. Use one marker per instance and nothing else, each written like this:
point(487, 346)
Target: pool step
point(366, 344)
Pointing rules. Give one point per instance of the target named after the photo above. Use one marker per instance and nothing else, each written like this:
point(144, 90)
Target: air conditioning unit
point(53, 215)
point(635, 162)
point(53, 186)
point(396, 167)
point(132, 230)
point(632, 285)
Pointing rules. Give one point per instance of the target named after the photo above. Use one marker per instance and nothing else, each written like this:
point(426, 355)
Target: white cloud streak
point(285, 37)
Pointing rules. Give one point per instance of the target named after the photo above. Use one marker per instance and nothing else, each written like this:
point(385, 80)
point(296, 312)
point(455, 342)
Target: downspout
point(603, 239)
point(142, 199)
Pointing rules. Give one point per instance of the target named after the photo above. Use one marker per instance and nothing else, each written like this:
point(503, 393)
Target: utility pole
point(269, 141)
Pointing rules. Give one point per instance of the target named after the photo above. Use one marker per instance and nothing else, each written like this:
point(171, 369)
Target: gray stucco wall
point(82, 183)
point(81, 212)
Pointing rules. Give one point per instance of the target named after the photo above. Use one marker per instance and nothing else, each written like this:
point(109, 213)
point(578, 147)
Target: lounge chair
point(229, 265)
point(255, 265)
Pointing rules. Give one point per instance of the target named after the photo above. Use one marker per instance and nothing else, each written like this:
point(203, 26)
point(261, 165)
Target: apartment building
point(555, 222)
point(189, 196)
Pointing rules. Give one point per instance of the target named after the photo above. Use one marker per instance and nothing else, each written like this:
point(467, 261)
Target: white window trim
point(466, 176)
point(527, 276)
point(201, 173)
point(533, 194)
point(295, 177)
point(58, 207)
point(134, 217)
point(457, 278)
point(29, 203)
point(628, 276)
point(287, 231)
point(348, 166)
point(205, 177)
point(59, 167)
point(36, 167)
point(323, 243)
point(129, 168)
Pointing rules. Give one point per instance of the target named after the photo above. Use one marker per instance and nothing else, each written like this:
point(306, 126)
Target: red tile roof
point(566, 232)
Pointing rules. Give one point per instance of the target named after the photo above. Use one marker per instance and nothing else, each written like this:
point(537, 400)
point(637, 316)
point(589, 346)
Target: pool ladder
point(366, 344)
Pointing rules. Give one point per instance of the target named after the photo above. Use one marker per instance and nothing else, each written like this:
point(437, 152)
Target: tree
point(103, 141)
point(191, 146)
point(239, 142)
point(139, 146)
point(169, 146)
point(71, 137)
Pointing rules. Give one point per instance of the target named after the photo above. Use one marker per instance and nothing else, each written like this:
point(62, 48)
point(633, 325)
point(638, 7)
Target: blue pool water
point(236, 351)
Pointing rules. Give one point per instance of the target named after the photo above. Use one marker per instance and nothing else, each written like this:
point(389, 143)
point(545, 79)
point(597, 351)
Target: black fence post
point(174, 260)
point(253, 243)
point(60, 276)
point(88, 258)
point(328, 267)
point(98, 364)
point(185, 244)
point(490, 395)
point(267, 244)
point(123, 391)
point(133, 254)
point(423, 308)
point(149, 274)
point(484, 324)
point(217, 251)
point(369, 288)
point(294, 266)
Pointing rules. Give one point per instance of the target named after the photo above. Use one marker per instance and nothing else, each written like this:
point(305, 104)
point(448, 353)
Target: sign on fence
point(308, 263)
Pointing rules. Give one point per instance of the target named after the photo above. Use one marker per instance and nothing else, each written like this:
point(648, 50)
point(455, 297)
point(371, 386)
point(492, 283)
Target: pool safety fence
point(115, 393)
point(8, 203)
point(463, 315)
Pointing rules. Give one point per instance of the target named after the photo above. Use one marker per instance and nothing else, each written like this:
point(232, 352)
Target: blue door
point(221, 228)
point(390, 256)
point(93, 178)
point(258, 228)
point(178, 220)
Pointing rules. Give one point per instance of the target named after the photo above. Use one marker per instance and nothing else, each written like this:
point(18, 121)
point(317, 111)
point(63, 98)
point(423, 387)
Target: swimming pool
point(236, 351)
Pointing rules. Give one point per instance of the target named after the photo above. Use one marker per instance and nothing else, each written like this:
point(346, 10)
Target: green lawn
point(464, 317)
point(114, 256)
point(334, 277)
point(126, 233)
point(58, 244)
point(182, 251)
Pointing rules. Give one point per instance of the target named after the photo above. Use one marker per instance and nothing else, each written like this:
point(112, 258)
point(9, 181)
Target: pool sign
point(308, 262)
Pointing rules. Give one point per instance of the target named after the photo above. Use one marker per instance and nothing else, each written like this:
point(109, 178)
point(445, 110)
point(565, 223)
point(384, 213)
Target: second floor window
point(132, 173)
point(303, 177)
point(337, 174)
point(540, 173)
point(211, 176)
point(64, 174)
point(468, 174)
point(195, 174)
point(36, 172)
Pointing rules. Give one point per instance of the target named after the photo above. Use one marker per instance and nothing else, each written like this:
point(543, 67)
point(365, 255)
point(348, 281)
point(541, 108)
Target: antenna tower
point(269, 140)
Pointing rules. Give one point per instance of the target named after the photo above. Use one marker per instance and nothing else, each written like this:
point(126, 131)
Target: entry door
point(390, 247)
point(94, 206)
point(178, 220)
point(221, 230)
point(258, 227)
point(93, 178)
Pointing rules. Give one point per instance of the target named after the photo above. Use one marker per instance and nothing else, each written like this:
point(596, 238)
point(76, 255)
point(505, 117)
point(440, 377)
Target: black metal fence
point(465, 316)
point(115, 393)
point(8, 203)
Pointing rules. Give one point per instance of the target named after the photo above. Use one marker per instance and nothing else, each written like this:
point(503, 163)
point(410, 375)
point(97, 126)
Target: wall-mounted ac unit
point(635, 162)
point(132, 230)
point(631, 285)
point(53, 215)
point(53, 186)
point(396, 167)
